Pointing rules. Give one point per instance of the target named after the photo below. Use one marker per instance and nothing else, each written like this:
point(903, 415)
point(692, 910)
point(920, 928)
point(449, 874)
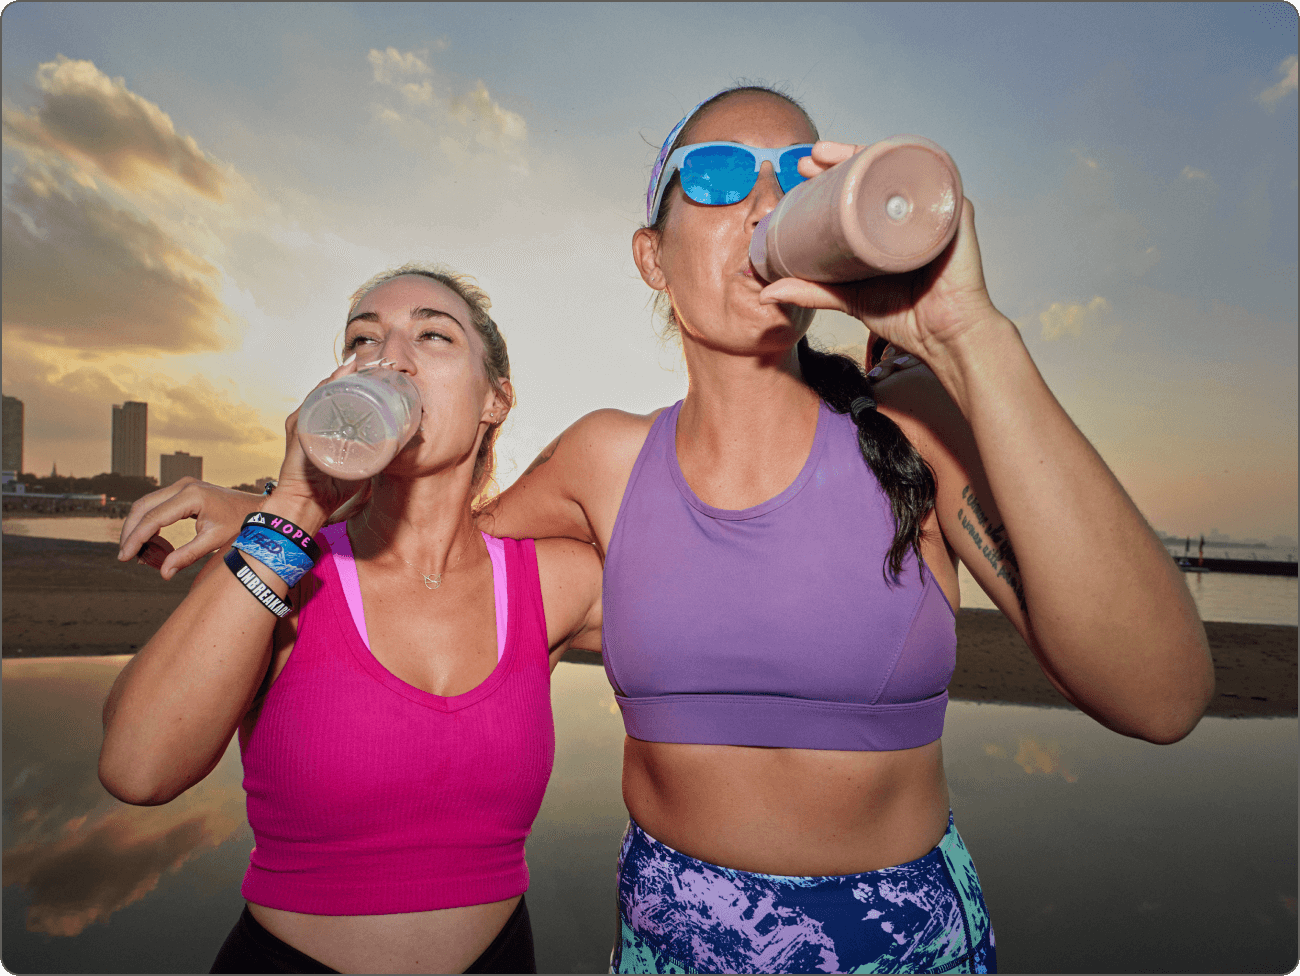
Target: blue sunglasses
point(719, 173)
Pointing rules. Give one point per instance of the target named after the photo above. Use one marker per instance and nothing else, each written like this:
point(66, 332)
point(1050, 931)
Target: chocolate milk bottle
point(352, 427)
point(891, 207)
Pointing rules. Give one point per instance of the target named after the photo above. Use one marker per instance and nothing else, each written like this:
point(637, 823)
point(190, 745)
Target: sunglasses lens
point(718, 175)
point(789, 176)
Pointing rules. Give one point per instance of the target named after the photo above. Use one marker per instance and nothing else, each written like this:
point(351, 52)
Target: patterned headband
point(663, 156)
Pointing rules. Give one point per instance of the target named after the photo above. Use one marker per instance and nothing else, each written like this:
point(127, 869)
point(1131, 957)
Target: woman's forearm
point(171, 713)
point(1113, 619)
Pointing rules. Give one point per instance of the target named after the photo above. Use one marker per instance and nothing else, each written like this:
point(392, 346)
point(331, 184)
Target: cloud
point(464, 125)
point(1189, 173)
point(88, 873)
point(1286, 72)
point(197, 411)
point(82, 274)
point(69, 400)
point(392, 68)
point(1062, 319)
point(85, 115)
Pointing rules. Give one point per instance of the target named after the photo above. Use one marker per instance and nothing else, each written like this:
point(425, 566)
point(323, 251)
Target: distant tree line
point(123, 487)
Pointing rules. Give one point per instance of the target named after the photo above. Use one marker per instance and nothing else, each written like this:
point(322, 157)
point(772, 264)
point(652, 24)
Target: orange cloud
point(87, 116)
point(69, 401)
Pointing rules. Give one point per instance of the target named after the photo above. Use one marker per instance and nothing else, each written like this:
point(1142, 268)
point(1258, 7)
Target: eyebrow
point(418, 313)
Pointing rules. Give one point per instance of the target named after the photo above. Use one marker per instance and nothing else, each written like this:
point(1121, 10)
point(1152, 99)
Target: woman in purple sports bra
point(780, 572)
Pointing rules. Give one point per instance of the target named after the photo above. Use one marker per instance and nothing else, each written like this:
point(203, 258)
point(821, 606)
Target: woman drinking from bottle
point(780, 571)
point(388, 675)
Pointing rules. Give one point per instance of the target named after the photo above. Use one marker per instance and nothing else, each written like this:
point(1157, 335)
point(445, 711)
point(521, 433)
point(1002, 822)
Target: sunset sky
point(191, 192)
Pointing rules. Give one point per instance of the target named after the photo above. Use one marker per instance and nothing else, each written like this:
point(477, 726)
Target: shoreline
point(74, 599)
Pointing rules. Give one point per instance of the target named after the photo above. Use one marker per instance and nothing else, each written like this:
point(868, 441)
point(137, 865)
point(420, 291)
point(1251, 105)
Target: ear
point(497, 403)
point(645, 252)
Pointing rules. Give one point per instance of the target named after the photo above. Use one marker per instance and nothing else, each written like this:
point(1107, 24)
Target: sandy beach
point(64, 598)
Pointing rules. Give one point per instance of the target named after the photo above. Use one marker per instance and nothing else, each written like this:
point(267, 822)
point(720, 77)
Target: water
point(1237, 597)
point(90, 529)
point(1240, 597)
point(1097, 853)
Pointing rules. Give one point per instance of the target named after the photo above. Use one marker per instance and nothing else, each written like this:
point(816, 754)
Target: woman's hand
point(921, 311)
point(219, 512)
point(308, 489)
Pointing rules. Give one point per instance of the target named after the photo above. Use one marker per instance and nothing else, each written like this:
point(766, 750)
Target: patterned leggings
point(681, 915)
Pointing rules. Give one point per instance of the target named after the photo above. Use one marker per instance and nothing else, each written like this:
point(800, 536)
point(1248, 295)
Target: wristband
point(253, 583)
point(297, 536)
point(267, 546)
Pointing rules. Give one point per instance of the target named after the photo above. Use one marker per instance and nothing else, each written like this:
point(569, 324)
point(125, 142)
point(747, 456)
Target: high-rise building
point(173, 467)
point(130, 434)
point(11, 437)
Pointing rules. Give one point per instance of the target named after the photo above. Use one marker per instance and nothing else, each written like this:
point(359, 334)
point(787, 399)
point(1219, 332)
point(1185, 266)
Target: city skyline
point(183, 227)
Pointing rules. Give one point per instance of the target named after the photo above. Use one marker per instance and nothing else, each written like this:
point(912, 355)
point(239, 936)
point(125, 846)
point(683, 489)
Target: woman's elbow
point(1180, 710)
point(136, 782)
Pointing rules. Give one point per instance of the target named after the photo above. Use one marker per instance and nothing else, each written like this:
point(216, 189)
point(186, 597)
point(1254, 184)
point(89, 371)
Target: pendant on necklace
point(432, 580)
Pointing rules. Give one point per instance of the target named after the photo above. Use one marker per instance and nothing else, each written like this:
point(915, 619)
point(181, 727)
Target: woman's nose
point(766, 194)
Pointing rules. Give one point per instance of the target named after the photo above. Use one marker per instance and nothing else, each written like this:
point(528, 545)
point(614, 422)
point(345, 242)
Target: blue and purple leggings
point(681, 915)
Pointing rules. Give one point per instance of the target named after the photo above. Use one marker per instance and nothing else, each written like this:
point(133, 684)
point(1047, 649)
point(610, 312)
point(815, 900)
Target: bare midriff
point(801, 812)
point(445, 940)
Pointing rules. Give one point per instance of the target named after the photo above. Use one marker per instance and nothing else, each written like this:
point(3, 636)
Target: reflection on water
point(1034, 757)
point(73, 855)
point(1097, 853)
point(1239, 597)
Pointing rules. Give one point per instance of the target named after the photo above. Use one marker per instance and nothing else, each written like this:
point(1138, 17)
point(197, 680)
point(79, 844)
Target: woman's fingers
point(194, 550)
point(154, 512)
point(893, 364)
point(824, 156)
point(154, 552)
point(806, 294)
point(141, 507)
point(219, 512)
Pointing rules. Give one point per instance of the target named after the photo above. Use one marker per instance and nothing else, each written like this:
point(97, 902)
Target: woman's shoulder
point(598, 448)
point(614, 429)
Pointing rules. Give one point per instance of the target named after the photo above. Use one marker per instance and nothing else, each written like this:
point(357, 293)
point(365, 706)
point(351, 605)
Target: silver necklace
point(431, 580)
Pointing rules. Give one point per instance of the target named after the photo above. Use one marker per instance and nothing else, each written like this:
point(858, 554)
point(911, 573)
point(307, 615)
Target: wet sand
point(65, 598)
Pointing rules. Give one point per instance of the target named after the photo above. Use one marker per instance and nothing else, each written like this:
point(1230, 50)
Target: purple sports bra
point(772, 625)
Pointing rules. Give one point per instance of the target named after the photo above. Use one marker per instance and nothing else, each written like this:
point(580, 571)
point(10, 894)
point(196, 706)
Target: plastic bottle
point(892, 207)
point(352, 427)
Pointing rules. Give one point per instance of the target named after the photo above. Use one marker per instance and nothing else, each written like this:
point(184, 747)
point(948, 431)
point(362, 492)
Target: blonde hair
point(496, 362)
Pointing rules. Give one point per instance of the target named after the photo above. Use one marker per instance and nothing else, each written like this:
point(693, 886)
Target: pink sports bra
point(369, 796)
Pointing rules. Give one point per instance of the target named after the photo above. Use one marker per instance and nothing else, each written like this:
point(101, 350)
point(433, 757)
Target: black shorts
point(249, 948)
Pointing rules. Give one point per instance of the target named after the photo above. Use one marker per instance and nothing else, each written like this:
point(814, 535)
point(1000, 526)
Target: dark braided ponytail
point(906, 479)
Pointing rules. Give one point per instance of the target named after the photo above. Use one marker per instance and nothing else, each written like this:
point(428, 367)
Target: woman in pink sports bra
point(388, 677)
point(780, 556)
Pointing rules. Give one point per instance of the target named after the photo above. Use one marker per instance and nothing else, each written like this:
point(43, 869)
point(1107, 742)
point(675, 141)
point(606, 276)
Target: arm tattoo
point(547, 453)
point(992, 542)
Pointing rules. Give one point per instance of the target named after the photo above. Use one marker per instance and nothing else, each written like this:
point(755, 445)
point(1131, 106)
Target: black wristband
point(253, 583)
point(290, 532)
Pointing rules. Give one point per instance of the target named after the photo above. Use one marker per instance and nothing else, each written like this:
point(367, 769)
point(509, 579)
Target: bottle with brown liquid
point(891, 207)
